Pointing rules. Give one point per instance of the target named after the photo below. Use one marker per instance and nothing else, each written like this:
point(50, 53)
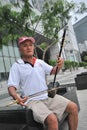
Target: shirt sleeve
point(14, 77)
point(47, 68)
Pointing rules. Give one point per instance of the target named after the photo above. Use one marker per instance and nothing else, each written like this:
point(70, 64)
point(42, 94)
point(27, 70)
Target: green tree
point(14, 24)
point(80, 8)
point(84, 56)
point(55, 16)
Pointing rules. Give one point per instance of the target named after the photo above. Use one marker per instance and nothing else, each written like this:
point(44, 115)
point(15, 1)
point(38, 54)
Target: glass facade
point(8, 55)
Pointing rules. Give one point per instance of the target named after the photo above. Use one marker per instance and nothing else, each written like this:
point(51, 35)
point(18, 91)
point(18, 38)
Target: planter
point(81, 81)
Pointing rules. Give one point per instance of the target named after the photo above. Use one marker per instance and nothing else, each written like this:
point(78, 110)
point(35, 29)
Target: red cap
point(24, 38)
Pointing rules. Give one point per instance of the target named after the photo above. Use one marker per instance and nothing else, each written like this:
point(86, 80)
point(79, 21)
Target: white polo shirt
point(31, 79)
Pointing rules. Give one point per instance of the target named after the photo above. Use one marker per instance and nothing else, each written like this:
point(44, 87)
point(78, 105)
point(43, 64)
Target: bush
point(69, 64)
point(82, 64)
point(52, 62)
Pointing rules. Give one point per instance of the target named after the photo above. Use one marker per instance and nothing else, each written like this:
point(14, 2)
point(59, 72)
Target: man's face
point(26, 49)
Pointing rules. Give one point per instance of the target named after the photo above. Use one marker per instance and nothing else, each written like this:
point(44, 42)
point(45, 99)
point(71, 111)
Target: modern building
point(80, 29)
point(70, 49)
point(83, 47)
point(8, 55)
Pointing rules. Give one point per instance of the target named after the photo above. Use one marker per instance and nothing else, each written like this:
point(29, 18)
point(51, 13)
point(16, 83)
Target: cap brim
point(21, 40)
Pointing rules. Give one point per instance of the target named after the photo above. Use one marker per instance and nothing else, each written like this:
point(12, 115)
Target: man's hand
point(20, 100)
point(59, 64)
point(16, 97)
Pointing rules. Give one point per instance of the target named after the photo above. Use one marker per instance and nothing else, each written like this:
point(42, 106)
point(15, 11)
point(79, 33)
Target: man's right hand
point(16, 97)
point(20, 100)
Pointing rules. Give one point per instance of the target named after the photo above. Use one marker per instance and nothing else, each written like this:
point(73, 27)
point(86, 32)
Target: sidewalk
point(66, 77)
point(82, 97)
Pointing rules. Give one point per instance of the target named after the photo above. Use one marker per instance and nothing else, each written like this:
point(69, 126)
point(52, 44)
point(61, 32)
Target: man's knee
point(52, 121)
point(72, 108)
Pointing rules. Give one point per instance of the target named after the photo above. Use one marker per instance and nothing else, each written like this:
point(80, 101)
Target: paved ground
point(82, 96)
point(62, 78)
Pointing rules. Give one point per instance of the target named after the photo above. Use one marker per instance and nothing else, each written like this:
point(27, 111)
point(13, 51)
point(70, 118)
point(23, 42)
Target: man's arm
point(13, 93)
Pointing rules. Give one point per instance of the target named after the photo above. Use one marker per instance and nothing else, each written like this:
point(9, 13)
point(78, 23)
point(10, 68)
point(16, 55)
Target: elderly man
point(28, 73)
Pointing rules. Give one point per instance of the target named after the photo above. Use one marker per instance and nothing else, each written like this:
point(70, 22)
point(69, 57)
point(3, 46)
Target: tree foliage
point(81, 8)
point(12, 23)
point(84, 56)
point(55, 16)
point(26, 22)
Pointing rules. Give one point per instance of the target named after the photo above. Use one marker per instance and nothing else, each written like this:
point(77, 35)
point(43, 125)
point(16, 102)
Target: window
point(13, 1)
point(2, 69)
point(12, 60)
point(5, 51)
point(0, 52)
point(11, 51)
point(16, 52)
point(7, 64)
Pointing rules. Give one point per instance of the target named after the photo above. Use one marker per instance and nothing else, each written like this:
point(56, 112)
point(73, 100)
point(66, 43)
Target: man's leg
point(72, 109)
point(51, 122)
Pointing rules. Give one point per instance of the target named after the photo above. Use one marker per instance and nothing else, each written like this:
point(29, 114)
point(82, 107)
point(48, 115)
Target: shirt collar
point(20, 61)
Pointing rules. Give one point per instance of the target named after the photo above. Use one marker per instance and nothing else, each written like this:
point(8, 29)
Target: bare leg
point(51, 122)
point(73, 116)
